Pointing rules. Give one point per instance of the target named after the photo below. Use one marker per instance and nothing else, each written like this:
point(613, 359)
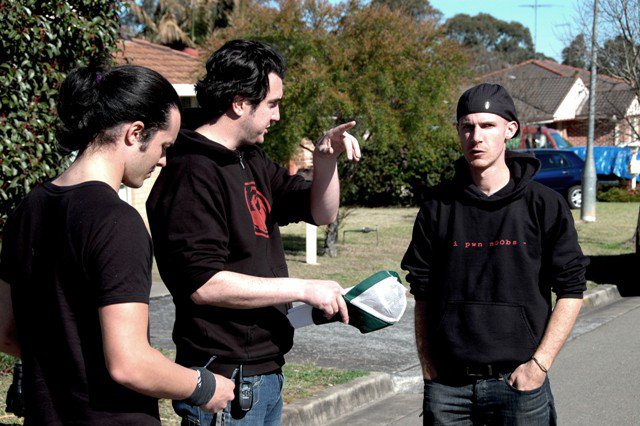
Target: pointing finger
point(342, 128)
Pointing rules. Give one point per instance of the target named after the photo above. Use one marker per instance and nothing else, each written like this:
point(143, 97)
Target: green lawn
point(359, 256)
point(613, 231)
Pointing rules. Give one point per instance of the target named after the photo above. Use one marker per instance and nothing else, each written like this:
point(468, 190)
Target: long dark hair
point(91, 102)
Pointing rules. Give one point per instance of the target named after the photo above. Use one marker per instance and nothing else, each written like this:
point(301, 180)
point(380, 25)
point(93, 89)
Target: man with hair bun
point(75, 267)
point(215, 213)
point(488, 248)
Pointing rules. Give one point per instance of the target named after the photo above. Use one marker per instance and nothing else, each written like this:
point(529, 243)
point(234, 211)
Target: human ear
point(238, 105)
point(133, 133)
point(512, 128)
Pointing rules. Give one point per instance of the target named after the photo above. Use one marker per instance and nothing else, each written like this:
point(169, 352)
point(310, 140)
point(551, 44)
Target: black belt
point(475, 372)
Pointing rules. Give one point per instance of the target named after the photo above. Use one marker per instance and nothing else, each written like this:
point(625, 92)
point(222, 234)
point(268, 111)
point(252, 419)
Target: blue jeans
point(266, 409)
point(487, 402)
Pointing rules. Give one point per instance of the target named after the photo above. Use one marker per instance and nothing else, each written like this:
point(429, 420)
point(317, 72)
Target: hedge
point(42, 41)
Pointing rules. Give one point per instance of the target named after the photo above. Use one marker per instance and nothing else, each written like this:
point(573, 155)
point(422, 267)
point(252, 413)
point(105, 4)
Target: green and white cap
point(377, 302)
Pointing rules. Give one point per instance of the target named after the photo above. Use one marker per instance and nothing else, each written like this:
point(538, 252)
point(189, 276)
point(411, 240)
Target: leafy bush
point(398, 174)
point(42, 41)
point(620, 195)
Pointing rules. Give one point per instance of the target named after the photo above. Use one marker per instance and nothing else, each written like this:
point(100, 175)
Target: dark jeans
point(487, 402)
point(266, 410)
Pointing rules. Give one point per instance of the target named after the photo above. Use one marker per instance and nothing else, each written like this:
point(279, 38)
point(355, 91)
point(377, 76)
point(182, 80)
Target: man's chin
point(257, 141)
point(477, 163)
point(133, 184)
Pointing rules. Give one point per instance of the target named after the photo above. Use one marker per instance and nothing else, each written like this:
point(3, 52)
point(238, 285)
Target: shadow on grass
point(296, 245)
point(621, 270)
point(293, 244)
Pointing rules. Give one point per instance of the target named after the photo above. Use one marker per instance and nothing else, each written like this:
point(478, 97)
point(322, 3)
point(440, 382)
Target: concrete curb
point(337, 401)
point(158, 289)
point(340, 400)
point(598, 297)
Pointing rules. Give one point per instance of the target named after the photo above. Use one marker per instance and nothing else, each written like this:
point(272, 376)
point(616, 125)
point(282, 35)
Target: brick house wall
point(626, 131)
point(608, 133)
point(577, 132)
point(137, 197)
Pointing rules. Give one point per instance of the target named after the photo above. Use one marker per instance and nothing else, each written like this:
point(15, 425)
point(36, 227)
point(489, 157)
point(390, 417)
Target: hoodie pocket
point(485, 333)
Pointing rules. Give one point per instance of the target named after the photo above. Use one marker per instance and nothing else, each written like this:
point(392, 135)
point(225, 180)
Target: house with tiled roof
point(181, 69)
point(555, 95)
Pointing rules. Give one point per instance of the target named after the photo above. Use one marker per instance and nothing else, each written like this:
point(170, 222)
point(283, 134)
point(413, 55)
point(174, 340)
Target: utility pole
point(588, 211)
point(193, 21)
point(535, 7)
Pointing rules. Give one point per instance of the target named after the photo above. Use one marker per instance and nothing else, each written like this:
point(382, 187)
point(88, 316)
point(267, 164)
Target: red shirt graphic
point(259, 208)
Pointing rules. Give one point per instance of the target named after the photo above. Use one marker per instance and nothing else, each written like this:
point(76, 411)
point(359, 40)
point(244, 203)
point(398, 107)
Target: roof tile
point(539, 86)
point(175, 66)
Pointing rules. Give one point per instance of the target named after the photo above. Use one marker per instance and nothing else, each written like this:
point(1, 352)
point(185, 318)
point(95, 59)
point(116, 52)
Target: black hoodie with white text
point(486, 265)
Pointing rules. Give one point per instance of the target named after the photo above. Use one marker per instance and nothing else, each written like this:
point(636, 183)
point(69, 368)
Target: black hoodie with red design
point(486, 266)
point(214, 209)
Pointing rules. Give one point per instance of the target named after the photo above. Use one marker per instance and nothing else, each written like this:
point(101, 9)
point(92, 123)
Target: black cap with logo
point(491, 98)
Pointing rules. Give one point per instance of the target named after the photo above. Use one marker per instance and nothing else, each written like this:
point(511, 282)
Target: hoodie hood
point(522, 167)
point(191, 142)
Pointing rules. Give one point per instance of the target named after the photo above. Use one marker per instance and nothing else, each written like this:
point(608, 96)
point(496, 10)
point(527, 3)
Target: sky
point(555, 18)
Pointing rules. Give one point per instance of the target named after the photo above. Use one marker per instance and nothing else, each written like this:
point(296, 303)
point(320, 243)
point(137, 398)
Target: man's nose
point(476, 134)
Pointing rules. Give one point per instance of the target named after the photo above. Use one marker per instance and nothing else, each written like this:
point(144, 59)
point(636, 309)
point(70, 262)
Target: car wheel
point(574, 197)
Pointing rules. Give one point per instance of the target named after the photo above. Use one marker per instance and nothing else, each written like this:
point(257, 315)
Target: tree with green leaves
point(178, 23)
point(615, 56)
point(417, 9)
point(398, 77)
point(401, 77)
point(576, 54)
point(492, 43)
point(42, 41)
point(301, 31)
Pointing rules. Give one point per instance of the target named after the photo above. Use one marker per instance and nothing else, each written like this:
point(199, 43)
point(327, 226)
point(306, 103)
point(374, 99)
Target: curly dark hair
point(239, 68)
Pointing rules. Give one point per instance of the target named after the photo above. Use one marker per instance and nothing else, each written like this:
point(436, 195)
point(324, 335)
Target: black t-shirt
point(66, 252)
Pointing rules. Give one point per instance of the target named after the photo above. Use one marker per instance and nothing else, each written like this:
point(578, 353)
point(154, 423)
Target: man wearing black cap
point(488, 248)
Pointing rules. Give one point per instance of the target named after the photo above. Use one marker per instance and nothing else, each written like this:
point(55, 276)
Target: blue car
point(562, 171)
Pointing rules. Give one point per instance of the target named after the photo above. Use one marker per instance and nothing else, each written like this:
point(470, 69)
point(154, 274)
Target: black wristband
point(205, 388)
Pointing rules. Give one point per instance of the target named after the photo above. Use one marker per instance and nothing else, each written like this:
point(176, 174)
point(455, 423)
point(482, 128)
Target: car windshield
point(553, 161)
point(561, 142)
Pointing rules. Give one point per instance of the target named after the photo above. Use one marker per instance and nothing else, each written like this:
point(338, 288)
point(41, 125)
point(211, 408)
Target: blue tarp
point(610, 160)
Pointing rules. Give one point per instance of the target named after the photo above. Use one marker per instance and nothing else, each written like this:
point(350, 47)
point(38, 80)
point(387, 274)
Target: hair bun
point(78, 107)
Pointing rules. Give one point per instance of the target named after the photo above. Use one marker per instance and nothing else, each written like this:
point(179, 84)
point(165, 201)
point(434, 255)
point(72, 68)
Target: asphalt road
point(162, 313)
point(337, 345)
point(330, 345)
point(596, 378)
